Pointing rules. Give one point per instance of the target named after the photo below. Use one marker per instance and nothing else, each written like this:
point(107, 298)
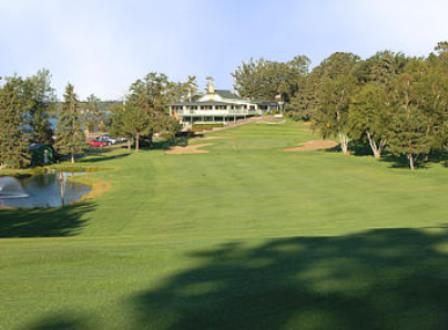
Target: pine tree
point(118, 126)
point(70, 138)
point(131, 122)
point(42, 102)
point(13, 138)
point(304, 103)
point(408, 135)
point(93, 116)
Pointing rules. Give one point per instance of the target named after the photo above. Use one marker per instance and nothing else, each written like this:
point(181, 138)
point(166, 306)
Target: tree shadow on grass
point(440, 156)
point(396, 161)
point(61, 322)
point(356, 148)
point(44, 222)
point(401, 161)
point(380, 279)
point(360, 149)
point(104, 158)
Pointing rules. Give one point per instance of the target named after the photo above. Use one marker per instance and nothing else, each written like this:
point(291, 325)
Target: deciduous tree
point(333, 97)
point(263, 79)
point(410, 133)
point(370, 115)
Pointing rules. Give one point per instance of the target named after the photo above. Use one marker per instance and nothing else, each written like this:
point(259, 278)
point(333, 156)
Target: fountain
point(11, 188)
point(46, 190)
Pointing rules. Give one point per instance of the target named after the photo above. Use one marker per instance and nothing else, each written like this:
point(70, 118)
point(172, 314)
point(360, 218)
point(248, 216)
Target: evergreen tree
point(14, 141)
point(118, 126)
point(408, 135)
point(42, 101)
point(93, 117)
point(150, 98)
point(304, 104)
point(70, 138)
point(131, 122)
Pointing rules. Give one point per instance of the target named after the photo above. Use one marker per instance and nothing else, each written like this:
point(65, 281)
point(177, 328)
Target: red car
point(98, 144)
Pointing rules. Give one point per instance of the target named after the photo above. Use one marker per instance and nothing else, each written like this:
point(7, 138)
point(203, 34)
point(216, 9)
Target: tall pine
point(70, 138)
point(42, 101)
point(13, 136)
point(93, 116)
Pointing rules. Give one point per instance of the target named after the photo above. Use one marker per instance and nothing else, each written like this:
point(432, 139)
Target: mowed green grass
point(245, 237)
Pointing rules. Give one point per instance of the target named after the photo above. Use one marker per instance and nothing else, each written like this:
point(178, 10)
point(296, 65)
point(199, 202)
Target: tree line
point(390, 102)
point(27, 105)
point(145, 108)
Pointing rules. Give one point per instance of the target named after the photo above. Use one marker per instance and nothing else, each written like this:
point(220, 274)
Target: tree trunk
point(373, 146)
point(383, 143)
point(343, 140)
point(73, 158)
point(137, 142)
point(129, 144)
point(376, 154)
point(150, 137)
point(411, 162)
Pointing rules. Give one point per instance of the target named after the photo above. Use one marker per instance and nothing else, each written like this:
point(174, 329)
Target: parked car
point(107, 138)
point(103, 138)
point(121, 140)
point(95, 143)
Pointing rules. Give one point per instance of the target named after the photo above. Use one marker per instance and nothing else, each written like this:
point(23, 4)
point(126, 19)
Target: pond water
point(47, 190)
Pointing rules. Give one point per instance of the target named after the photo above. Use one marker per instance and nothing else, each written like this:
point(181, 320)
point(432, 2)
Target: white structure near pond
point(218, 106)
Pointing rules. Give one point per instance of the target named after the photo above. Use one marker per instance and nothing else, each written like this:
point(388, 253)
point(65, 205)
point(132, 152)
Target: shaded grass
point(380, 279)
point(49, 222)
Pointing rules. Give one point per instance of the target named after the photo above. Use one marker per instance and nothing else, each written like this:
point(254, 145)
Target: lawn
point(244, 237)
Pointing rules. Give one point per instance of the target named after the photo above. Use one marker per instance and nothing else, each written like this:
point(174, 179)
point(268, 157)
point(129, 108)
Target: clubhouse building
point(218, 106)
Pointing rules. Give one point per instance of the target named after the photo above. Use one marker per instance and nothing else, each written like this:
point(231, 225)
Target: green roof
point(224, 93)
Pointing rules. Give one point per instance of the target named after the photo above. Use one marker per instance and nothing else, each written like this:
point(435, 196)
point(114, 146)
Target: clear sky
point(102, 46)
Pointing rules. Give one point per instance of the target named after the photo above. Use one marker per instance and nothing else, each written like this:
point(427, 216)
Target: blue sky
point(102, 46)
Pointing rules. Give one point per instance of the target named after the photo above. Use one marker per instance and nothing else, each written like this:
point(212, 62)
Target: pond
point(47, 190)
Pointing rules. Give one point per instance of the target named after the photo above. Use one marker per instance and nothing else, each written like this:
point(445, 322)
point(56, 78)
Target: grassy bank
point(246, 236)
